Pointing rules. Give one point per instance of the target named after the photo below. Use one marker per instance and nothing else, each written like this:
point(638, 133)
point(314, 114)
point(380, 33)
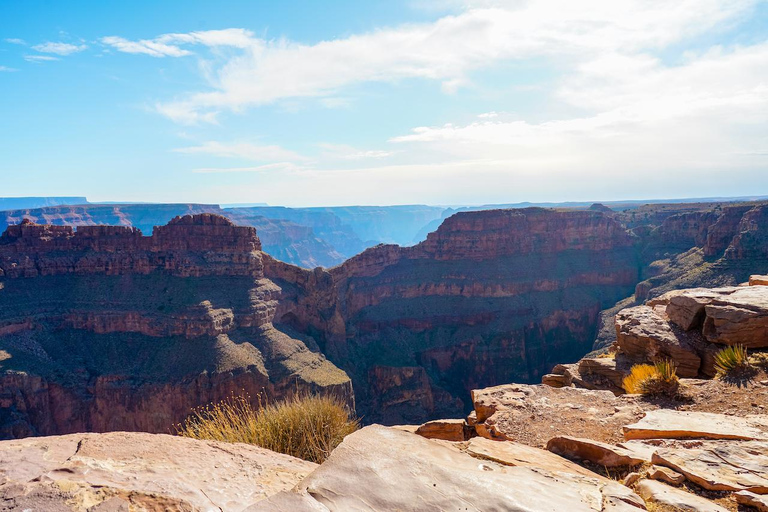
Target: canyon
point(103, 328)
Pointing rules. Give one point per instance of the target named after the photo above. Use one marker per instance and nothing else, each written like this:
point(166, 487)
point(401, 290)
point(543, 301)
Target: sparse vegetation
point(656, 379)
point(731, 360)
point(307, 427)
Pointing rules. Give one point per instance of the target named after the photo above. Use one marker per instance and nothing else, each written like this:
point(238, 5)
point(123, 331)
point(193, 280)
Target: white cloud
point(668, 125)
point(450, 48)
point(277, 166)
point(39, 58)
point(346, 152)
point(60, 48)
point(15, 40)
point(169, 45)
point(244, 150)
point(145, 46)
point(488, 115)
point(6, 69)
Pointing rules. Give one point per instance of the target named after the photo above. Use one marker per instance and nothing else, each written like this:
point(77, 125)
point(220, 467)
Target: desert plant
point(656, 379)
point(307, 427)
point(732, 361)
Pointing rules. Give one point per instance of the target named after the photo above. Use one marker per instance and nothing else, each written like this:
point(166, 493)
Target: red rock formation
point(105, 329)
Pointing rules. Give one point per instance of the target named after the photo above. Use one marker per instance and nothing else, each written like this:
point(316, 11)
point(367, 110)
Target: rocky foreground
point(577, 443)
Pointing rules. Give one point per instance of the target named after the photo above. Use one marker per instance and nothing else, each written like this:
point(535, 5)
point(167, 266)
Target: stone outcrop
point(490, 297)
point(378, 468)
point(677, 499)
point(603, 454)
point(103, 328)
point(123, 471)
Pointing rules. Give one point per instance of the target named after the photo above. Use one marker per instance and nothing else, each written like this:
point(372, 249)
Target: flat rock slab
point(603, 454)
point(758, 280)
point(751, 499)
point(533, 414)
point(663, 494)
point(120, 470)
point(510, 453)
point(720, 465)
point(379, 468)
point(671, 424)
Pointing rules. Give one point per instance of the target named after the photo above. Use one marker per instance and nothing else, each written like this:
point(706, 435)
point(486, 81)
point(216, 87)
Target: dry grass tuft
point(307, 427)
point(656, 379)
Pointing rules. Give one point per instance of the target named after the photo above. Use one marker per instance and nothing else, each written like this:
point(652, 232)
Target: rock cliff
point(102, 328)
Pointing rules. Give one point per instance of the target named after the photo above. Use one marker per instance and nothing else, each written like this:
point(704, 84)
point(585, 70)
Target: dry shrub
point(656, 379)
point(307, 427)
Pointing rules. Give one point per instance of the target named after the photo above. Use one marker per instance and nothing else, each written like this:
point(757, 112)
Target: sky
point(308, 103)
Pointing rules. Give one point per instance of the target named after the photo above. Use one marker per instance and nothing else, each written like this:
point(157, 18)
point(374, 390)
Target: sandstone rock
point(525, 413)
point(555, 380)
point(663, 494)
point(447, 430)
point(663, 474)
point(644, 335)
point(686, 308)
point(605, 372)
point(600, 453)
point(118, 471)
point(758, 280)
point(510, 453)
point(739, 318)
point(631, 479)
point(751, 499)
point(720, 465)
point(378, 468)
point(667, 423)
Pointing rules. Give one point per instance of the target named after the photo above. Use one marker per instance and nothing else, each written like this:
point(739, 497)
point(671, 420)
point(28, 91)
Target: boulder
point(605, 372)
point(447, 430)
point(663, 494)
point(645, 335)
point(603, 454)
point(720, 465)
point(379, 468)
point(555, 380)
point(758, 280)
point(667, 475)
point(671, 424)
point(686, 308)
point(751, 499)
point(121, 470)
point(740, 318)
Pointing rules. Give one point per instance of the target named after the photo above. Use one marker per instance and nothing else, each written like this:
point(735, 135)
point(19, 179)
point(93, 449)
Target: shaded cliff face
point(105, 329)
point(492, 296)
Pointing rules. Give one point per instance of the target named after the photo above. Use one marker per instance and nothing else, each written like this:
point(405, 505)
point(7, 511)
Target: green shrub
point(732, 361)
point(657, 379)
point(307, 427)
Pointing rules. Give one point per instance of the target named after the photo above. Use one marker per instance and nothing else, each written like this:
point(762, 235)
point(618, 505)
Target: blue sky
point(422, 101)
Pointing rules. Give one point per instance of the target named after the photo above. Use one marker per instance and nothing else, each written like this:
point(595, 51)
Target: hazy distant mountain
point(15, 203)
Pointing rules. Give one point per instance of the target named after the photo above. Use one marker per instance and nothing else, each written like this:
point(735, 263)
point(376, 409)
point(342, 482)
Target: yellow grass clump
point(652, 379)
point(307, 427)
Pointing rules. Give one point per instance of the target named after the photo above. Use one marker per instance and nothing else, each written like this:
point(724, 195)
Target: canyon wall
point(103, 328)
point(491, 296)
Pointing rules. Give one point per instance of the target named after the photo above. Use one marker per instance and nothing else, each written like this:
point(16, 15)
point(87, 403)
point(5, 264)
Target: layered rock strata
point(106, 329)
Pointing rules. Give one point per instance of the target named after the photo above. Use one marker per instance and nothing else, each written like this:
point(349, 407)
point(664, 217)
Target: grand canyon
point(406, 256)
